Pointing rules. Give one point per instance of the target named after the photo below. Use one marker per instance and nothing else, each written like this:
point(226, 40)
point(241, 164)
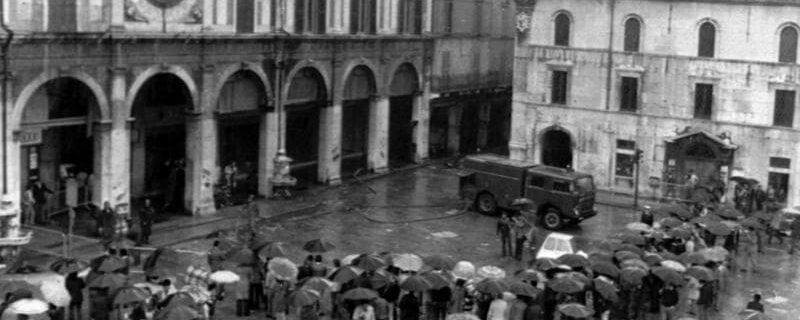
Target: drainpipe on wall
point(6, 48)
point(610, 52)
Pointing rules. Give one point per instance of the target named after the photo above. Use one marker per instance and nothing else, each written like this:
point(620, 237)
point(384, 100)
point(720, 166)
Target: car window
point(561, 186)
point(537, 181)
point(584, 185)
point(563, 246)
point(549, 244)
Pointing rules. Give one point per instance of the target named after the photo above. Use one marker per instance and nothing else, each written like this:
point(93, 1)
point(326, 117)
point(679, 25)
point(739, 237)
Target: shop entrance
point(401, 107)
point(158, 143)
point(57, 140)
point(306, 96)
point(358, 89)
point(556, 149)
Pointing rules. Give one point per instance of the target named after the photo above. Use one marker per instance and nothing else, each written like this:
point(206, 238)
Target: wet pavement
point(419, 211)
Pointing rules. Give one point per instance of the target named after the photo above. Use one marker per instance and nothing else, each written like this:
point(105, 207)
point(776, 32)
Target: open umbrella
point(224, 276)
point(668, 255)
point(668, 275)
point(106, 280)
point(574, 260)
point(179, 298)
point(164, 262)
point(635, 263)
point(493, 286)
point(241, 256)
point(416, 283)
point(119, 244)
point(128, 295)
point(670, 222)
point(575, 310)
point(700, 273)
point(407, 262)
point(716, 253)
point(370, 262)
point(436, 279)
point(47, 286)
point(606, 289)
point(198, 293)
point(718, 228)
point(601, 256)
point(674, 265)
point(631, 248)
point(679, 233)
point(565, 285)
point(753, 223)
point(108, 263)
point(282, 269)
point(381, 278)
point(462, 316)
point(28, 307)
point(634, 239)
point(638, 227)
point(177, 312)
point(545, 264)
point(523, 289)
point(729, 212)
point(690, 258)
point(360, 294)
point(68, 265)
point(272, 250)
point(632, 276)
point(606, 268)
point(577, 276)
point(652, 258)
point(440, 262)
point(464, 270)
point(318, 246)
point(528, 275)
point(678, 210)
point(350, 259)
point(318, 284)
point(345, 274)
point(749, 314)
point(491, 272)
point(625, 255)
point(303, 297)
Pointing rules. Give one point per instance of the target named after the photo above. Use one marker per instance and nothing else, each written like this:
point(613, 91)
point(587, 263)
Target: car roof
point(560, 236)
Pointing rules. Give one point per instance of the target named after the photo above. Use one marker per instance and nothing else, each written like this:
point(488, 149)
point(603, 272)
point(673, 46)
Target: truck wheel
point(552, 219)
point(485, 203)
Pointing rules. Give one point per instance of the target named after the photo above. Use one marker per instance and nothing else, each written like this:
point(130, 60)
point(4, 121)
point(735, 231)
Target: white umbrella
point(491, 272)
point(348, 260)
point(283, 269)
point(224, 276)
point(464, 270)
point(407, 262)
point(674, 265)
point(28, 307)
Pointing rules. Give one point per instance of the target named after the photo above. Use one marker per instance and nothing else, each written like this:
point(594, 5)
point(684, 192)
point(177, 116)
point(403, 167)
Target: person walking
point(75, 286)
point(409, 307)
point(692, 294)
point(457, 297)
point(498, 310)
point(146, 216)
point(755, 304)
point(504, 232)
point(279, 300)
point(439, 299)
point(749, 250)
point(28, 205)
point(520, 235)
point(250, 211)
point(242, 291)
point(774, 227)
point(646, 216)
point(669, 302)
point(759, 197)
point(517, 309)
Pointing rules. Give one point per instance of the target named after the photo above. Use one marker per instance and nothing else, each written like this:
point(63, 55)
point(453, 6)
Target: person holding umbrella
point(504, 232)
point(409, 307)
point(75, 286)
point(498, 310)
point(363, 311)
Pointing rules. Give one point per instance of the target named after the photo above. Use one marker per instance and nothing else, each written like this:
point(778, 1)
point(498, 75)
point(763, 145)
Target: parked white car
point(556, 245)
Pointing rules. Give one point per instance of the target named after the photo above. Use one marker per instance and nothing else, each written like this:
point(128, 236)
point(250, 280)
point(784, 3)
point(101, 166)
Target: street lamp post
point(638, 159)
point(281, 177)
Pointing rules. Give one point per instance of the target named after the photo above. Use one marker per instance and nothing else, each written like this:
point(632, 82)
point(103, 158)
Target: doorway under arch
point(358, 89)
point(401, 110)
point(557, 148)
point(307, 95)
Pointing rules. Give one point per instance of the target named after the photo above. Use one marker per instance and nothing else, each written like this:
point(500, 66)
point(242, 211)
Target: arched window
point(706, 38)
point(788, 45)
point(632, 30)
point(562, 29)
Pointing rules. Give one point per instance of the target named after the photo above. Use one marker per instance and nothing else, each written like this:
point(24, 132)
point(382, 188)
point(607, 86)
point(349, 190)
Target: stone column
point(119, 142)
point(287, 11)
point(421, 116)
point(520, 131)
point(454, 129)
point(378, 134)
point(101, 179)
point(201, 150)
point(330, 143)
point(116, 9)
point(13, 151)
point(336, 19)
point(427, 16)
point(268, 147)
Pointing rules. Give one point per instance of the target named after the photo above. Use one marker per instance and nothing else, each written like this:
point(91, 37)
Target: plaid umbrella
point(700, 273)
point(282, 268)
point(360, 294)
point(574, 260)
point(440, 262)
point(493, 286)
point(272, 250)
point(370, 262)
point(606, 268)
point(606, 289)
point(668, 275)
point(303, 297)
point(565, 285)
point(128, 295)
point(416, 283)
point(318, 246)
point(68, 265)
point(345, 274)
point(575, 310)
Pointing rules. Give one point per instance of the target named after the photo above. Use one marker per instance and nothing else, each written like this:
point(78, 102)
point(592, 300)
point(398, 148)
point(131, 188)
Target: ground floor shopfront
point(604, 144)
point(465, 123)
point(175, 134)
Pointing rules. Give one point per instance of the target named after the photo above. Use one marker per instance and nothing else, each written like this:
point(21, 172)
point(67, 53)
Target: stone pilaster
point(330, 143)
point(201, 150)
point(118, 154)
point(268, 148)
point(378, 134)
point(287, 12)
point(421, 116)
point(454, 128)
point(12, 152)
point(335, 24)
point(427, 16)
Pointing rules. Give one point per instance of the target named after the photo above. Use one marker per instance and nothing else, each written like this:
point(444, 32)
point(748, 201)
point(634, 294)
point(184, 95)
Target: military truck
point(558, 196)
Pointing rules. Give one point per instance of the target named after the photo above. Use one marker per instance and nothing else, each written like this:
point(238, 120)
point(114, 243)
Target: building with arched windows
point(166, 99)
point(702, 87)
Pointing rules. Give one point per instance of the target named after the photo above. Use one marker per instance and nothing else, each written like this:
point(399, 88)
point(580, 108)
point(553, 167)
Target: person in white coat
point(498, 310)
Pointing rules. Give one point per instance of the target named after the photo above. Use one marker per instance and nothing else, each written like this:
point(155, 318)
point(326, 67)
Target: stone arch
point(317, 66)
point(546, 155)
point(779, 45)
point(145, 75)
point(353, 64)
point(349, 72)
point(395, 71)
point(231, 69)
point(39, 81)
point(395, 65)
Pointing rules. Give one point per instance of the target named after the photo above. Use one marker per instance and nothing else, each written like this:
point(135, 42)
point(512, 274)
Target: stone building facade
point(703, 87)
point(154, 98)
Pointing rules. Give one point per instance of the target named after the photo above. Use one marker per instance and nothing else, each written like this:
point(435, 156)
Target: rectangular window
point(561, 186)
point(537, 182)
point(625, 158)
point(558, 90)
point(629, 94)
point(784, 108)
point(448, 16)
point(778, 178)
point(703, 99)
point(780, 163)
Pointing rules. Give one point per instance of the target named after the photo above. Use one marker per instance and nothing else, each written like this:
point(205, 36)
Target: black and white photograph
point(399, 160)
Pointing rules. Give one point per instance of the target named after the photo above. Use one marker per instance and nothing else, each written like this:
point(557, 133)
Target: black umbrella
point(565, 285)
point(606, 268)
point(718, 229)
point(360, 294)
point(416, 283)
point(440, 262)
point(607, 290)
point(68, 265)
point(523, 289)
point(108, 263)
point(493, 286)
point(668, 275)
point(700, 273)
point(436, 279)
point(369, 262)
point(318, 246)
point(574, 260)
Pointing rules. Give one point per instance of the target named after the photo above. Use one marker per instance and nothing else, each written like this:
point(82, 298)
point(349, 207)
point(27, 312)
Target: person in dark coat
point(504, 232)
point(409, 307)
point(40, 192)
point(146, 216)
point(440, 299)
point(706, 300)
point(646, 216)
point(75, 286)
point(756, 304)
point(532, 310)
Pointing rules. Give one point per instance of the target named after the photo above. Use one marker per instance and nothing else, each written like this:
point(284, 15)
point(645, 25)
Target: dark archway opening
point(158, 143)
point(401, 109)
point(307, 95)
point(557, 149)
point(358, 89)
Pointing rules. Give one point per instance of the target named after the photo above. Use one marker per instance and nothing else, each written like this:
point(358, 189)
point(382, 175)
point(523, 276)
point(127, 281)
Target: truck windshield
point(584, 185)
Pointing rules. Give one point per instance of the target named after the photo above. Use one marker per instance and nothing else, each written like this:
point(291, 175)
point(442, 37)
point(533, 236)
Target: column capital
point(118, 70)
point(208, 67)
point(377, 97)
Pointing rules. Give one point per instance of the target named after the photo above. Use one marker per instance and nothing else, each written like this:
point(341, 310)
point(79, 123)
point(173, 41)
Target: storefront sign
point(29, 137)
